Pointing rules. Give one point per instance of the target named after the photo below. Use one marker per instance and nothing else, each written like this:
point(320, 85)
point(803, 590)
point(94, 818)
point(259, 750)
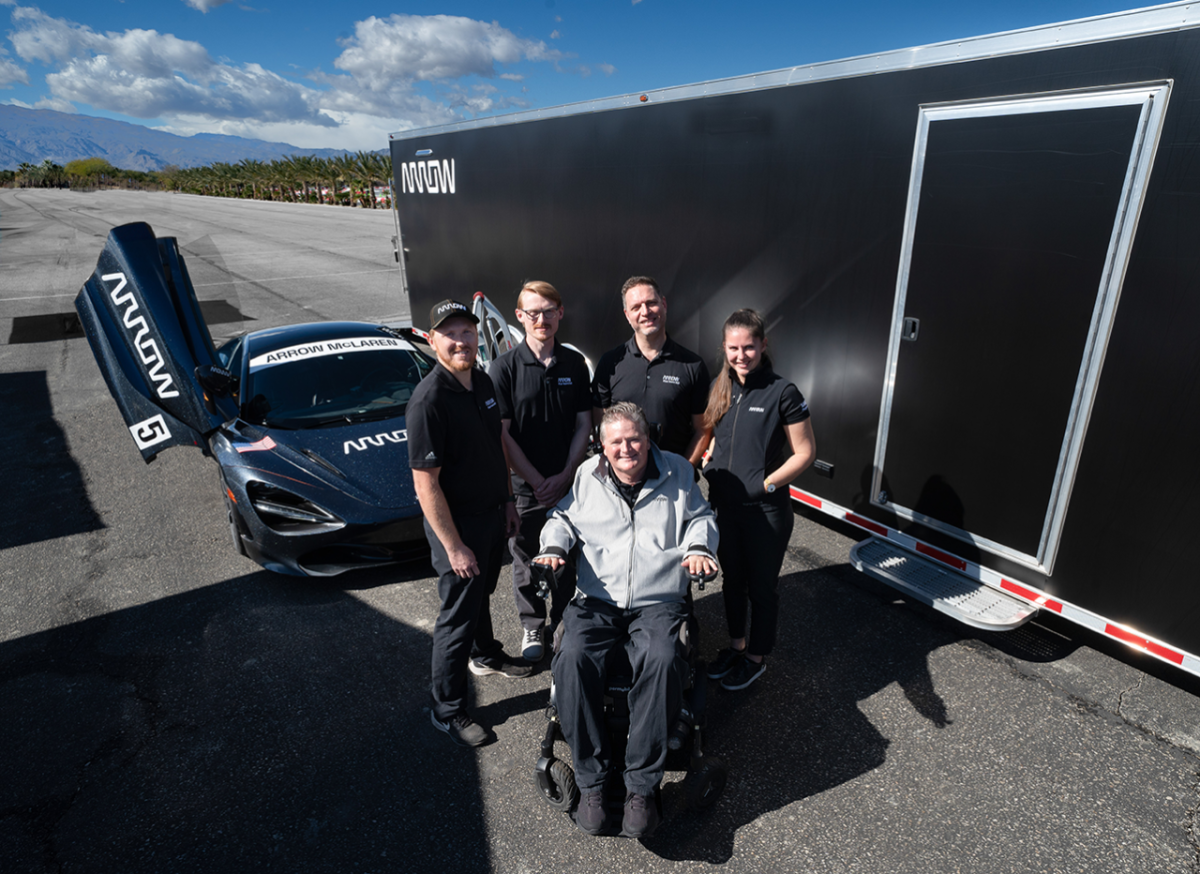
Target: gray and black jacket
point(632, 556)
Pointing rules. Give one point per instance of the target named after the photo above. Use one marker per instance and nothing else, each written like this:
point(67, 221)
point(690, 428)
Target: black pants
point(464, 625)
point(754, 539)
point(590, 630)
point(530, 606)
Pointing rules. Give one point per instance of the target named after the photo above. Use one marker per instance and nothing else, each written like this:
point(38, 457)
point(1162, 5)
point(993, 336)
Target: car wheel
point(562, 793)
point(705, 784)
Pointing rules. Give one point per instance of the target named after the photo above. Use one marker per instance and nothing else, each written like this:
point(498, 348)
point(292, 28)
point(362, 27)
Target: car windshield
point(331, 382)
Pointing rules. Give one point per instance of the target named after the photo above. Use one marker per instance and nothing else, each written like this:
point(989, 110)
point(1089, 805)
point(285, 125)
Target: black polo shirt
point(459, 431)
point(751, 438)
point(542, 404)
point(670, 389)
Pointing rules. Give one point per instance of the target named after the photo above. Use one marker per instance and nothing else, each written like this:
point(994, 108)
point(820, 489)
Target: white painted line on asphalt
point(285, 278)
point(37, 297)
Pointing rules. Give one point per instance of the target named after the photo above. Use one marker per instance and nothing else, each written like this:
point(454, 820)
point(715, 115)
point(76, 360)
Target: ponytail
point(720, 396)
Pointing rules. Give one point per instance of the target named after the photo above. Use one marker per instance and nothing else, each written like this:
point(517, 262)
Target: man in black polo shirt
point(546, 409)
point(461, 479)
point(669, 382)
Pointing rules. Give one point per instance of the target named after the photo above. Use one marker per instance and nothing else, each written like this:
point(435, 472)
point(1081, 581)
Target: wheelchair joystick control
point(701, 579)
point(545, 577)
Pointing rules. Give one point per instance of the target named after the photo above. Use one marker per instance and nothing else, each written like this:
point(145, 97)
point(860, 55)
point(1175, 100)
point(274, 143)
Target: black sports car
point(306, 422)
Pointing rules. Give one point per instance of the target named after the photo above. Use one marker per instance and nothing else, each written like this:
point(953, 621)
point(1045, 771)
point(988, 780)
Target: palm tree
point(253, 172)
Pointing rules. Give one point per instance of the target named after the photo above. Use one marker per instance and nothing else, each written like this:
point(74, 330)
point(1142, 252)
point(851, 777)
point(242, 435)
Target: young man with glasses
point(545, 412)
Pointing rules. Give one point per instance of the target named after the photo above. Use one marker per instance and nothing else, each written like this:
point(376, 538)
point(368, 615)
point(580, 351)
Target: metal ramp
point(943, 589)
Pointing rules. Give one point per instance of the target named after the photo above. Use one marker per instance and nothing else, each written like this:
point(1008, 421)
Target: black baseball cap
point(448, 309)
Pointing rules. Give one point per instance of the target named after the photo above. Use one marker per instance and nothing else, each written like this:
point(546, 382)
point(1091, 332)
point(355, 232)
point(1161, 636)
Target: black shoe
point(744, 674)
point(532, 644)
point(500, 664)
point(726, 660)
point(591, 815)
point(463, 730)
point(641, 816)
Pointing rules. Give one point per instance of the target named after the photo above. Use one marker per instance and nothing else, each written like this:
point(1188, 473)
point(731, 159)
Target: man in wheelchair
point(642, 526)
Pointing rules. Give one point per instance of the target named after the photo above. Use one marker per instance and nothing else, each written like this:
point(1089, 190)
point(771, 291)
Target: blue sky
point(345, 73)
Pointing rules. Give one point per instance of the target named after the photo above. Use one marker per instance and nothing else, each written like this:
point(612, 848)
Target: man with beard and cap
point(461, 478)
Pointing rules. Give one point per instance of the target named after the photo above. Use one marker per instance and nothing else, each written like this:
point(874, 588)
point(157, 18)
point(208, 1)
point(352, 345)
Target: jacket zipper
point(737, 404)
point(632, 555)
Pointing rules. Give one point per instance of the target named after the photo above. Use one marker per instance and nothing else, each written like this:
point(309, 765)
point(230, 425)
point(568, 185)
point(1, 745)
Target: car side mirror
point(216, 381)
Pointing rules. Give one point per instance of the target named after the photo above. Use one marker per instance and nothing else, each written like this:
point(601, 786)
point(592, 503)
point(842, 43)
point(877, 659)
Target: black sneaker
point(591, 815)
point(463, 730)
point(532, 644)
point(726, 660)
point(641, 816)
point(500, 664)
point(744, 674)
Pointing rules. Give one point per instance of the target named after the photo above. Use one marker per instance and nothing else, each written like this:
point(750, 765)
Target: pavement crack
point(1193, 825)
point(1121, 698)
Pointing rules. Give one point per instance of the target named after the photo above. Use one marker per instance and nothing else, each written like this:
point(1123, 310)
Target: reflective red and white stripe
point(989, 577)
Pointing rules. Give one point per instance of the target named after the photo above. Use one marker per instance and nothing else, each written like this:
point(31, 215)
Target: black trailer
point(979, 260)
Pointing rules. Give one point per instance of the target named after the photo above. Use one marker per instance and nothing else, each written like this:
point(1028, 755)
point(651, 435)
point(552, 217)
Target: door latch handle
point(911, 328)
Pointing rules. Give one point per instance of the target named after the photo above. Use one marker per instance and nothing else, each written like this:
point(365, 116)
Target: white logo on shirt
point(489, 403)
point(757, 410)
point(564, 380)
point(431, 455)
point(671, 380)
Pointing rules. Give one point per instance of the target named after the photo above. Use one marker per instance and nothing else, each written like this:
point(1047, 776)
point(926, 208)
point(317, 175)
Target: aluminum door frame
point(1153, 98)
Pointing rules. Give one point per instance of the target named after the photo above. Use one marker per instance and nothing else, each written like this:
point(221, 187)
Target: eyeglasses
point(533, 315)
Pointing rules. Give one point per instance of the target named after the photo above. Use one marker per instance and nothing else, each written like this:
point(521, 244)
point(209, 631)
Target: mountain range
point(33, 135)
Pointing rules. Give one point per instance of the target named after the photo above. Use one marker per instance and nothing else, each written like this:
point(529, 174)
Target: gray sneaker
point(641, 816)
point(591, 815)
point(463, 730)
point(499, 664)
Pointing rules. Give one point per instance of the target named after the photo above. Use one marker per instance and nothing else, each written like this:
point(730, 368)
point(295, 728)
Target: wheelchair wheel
point(704, 785)
point(562, 793)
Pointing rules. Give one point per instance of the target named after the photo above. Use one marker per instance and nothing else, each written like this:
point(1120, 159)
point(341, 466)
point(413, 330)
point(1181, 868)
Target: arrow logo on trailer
point(427, 177)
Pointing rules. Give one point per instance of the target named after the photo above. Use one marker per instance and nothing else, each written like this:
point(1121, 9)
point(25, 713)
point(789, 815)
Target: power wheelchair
point(706, 774)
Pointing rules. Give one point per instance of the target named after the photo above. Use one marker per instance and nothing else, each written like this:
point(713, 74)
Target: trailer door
point(1020, 220)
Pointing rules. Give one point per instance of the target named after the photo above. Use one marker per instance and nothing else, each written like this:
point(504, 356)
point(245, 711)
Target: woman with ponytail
point(762, 440)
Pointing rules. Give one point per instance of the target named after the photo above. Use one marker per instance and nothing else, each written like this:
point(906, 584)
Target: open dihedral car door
point(145, 328)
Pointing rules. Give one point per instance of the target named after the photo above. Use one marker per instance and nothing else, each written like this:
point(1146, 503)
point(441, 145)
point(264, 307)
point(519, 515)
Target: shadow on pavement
point(39, 474)
point(798, 731)
point(263, 723)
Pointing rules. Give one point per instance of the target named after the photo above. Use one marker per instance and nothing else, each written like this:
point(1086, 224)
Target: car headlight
point(288, 513)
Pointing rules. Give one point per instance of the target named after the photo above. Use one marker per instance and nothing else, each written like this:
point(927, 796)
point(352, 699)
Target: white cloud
point(606, 69)
point(355, 131)
point(11, 72)
point(57, 104)
point(394, 73)
point(555, 35)
point(430, 47)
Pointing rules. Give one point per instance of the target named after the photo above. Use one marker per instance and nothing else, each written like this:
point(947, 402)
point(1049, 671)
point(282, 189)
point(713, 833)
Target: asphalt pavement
point(168, 706)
